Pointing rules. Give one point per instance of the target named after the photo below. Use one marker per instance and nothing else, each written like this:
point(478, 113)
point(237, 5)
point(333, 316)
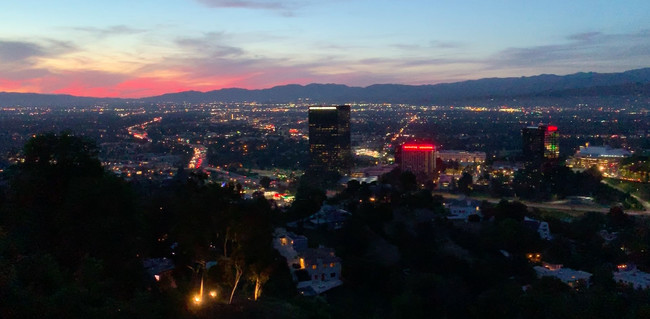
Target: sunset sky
point(129, 48)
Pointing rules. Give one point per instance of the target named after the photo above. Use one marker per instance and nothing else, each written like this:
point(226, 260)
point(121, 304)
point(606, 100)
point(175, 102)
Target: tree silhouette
point(265, 181)
point(72, 234)
point(465, 184)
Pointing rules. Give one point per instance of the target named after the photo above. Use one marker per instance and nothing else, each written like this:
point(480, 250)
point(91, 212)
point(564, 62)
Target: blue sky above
point(141, 48)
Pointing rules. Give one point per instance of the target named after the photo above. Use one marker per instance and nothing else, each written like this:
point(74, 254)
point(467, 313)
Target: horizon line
point(315, 83)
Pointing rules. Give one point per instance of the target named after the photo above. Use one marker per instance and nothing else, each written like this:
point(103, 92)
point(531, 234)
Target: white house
point(461, 209)
point(629, 275)
point(573, 278)
point(289, 245)
point(315, 270)
point(320, 270)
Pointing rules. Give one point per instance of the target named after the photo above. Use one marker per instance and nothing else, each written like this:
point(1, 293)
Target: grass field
point(563, 215)
point(641, 190)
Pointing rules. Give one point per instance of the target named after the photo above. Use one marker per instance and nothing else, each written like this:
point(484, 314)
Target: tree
point(499, 186)
point(69, 205)
point(259, 275)
point(505, 209)
point(73, 235)
point(265, 181)
point(308, 201)
point(239, 271)
point(62, 153)
point(617, 217)
point(465, 183)
point(408, 181)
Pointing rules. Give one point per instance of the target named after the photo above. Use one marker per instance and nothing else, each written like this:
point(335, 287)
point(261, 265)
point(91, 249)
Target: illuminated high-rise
point(329, 138)
point(540, 143)
point(418, 158)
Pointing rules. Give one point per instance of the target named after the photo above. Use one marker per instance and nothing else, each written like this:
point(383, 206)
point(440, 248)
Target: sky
point(138, 48)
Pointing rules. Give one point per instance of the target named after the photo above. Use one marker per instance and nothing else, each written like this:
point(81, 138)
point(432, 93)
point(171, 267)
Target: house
point(298, 242)
point(329, 216)
point(323, 270)
point(541, 227)
point(289, 245)
point(573, 278)
point(630, 276)
point(314, 270)
point(461, 209)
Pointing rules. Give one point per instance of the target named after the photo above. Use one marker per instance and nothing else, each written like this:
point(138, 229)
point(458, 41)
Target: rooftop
point(567, 275)
point(602, 151)
point(462, 202)
point(634, 277)
point(326, 255)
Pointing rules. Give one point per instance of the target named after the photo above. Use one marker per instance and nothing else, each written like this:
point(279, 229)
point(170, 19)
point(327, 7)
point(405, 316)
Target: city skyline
point(126, 49)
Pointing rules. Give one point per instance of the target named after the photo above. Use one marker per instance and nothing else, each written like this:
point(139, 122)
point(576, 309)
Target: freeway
point(199, 158)
point(139, 130)
point(241, 179)
point(554, 206)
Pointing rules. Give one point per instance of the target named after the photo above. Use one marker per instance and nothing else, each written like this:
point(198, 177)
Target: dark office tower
point(329, 139)
point(540, 143)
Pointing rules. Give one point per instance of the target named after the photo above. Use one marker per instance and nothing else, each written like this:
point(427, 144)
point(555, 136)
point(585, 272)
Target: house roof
point(602, 151)
point(326, 255)
point(532, 223)
point(636, 278)
point(329, 214)
point(465, 202)
point(564, 274)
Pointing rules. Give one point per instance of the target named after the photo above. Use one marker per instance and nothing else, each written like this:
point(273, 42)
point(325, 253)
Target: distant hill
point(539, 86)
point(544, 85)
point(627, 89)
point(34, 99)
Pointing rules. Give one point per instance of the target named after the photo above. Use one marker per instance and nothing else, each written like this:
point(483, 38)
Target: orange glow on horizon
point(137, 87)
point(133, 88)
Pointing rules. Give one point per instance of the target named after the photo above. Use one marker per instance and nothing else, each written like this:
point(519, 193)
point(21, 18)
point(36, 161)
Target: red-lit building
point(418, 158)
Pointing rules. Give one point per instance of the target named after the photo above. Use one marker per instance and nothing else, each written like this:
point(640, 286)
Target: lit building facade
point(329, 138)
point(540, 143)
point(462, 157)
point(605, 158)
point(418, 158)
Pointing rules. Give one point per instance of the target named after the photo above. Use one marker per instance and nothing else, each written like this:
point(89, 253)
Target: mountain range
point(633, 82)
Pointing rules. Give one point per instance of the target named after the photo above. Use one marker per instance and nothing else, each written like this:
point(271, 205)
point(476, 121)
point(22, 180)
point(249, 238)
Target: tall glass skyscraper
point(329, 138)
point(540, 143)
